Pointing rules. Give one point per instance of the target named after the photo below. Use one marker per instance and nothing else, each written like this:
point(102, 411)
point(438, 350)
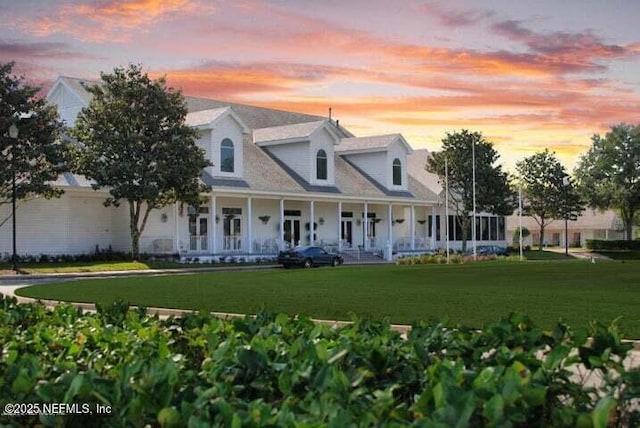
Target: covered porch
point(259, 226)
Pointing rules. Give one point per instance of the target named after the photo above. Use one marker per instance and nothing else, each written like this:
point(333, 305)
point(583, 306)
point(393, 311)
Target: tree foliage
point(493, 192)
point(36, 157)
point(609, 173)
point(547, 195)
point(135, 142)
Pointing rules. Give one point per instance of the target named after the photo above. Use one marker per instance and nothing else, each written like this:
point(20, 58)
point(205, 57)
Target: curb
point(403, 329)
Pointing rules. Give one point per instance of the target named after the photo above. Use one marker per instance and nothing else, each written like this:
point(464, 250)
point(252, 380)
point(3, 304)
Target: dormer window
point(227, 156)
point(397, 172)
point(321, 165)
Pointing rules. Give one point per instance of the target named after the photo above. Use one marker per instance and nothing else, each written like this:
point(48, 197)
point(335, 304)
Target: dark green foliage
point(609, 173)
point(275, 370)
point(600, 244)
point(546, 195)
point(135, 142)
point(37, 156)
point(493, 191)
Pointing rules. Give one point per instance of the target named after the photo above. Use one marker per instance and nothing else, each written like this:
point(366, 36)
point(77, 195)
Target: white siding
point(396, 151)
point(373, 164)
point(296, 156)
point(72, 224)
point(322, 140)
point(204, 142)
point(226, 128)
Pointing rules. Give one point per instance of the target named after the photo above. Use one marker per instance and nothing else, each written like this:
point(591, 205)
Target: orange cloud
point(110, 20)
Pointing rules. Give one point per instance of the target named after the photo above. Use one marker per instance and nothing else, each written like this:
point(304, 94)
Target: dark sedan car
point(491, 249)
point(308, 257)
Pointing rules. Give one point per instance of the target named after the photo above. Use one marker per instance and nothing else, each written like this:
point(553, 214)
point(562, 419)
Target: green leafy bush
point(277, 370)
point(600, 244)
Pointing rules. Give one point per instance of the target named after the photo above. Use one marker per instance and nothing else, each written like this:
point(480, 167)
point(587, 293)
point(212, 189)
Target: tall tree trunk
point(541, 240)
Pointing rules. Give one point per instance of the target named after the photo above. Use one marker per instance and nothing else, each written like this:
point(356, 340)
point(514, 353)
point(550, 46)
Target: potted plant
point(264, 219)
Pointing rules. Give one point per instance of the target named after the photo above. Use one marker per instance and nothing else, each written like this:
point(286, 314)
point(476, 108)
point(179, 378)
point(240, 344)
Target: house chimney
point(329, 113)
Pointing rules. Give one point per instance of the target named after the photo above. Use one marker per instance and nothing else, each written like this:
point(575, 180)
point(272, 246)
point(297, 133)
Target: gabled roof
point(77, 86)
point(209, 118)
point(291, 133)
point(374, 143)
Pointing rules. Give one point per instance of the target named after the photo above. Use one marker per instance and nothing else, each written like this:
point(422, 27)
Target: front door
point(370, 232)
point(347, 229)
point(232, 233)
point(292, 231)
point(198, 233)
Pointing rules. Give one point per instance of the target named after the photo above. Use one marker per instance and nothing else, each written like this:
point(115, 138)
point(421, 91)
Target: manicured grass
point(621, 254)
point(70, 267)
point(470, 295)
point(543, 255)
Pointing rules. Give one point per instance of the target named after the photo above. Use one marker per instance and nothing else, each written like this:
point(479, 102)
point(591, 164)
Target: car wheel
point(335, 262)
point(308, 263)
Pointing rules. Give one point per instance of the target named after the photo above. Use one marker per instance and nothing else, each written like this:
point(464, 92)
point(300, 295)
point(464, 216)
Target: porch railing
point(198, 243)
point(404, 243)
point(232, 243)
point(265, 245)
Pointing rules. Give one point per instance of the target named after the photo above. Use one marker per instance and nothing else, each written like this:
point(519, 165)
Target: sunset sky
point(527, 74)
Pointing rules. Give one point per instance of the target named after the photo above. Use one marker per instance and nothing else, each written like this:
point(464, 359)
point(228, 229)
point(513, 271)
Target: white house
point(278, 179)
point(591, 224)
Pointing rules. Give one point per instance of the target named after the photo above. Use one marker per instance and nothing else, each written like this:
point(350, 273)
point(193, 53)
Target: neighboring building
point(592, 224)
point(278, 179)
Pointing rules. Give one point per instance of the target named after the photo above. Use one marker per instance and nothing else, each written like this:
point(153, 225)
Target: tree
point(546, 193)
point(134, 141)
point(609, 173)
point(516, 235)
point(493, 192)
point(32, 161)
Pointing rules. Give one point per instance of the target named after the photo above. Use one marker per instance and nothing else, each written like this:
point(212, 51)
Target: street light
point(13, 134)
point(565, 185)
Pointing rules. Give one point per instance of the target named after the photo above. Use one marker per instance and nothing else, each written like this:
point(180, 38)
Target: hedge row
point(282, 371)
point(600, 244)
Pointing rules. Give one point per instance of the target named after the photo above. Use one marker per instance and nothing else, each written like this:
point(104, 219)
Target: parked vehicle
point(308, 257)
point(486, 250)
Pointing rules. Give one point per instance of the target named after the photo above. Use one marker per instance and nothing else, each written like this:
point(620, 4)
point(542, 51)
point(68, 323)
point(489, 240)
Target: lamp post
point(565, 186)
point(13, 134)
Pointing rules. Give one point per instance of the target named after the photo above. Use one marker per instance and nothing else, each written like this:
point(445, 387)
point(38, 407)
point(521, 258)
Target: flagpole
point(446, 204)
point(473, 160)
point(520, 213)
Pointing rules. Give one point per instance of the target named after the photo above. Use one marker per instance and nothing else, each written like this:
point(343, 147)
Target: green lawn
point(471, 295)
point(98, 266)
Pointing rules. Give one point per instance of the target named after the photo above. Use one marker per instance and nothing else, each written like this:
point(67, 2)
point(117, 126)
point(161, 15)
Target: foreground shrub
point(276, 370)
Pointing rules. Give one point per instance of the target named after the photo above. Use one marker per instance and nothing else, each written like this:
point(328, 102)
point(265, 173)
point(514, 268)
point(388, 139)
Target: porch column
point(433, 227)
point(340, 226)
point(281, 229)
point(213, 236)
point(249, 225)
point(311, 228)
point(390, 232)
point(177, 224)
point(365, 226)
point(426, 227)
point(412, 228)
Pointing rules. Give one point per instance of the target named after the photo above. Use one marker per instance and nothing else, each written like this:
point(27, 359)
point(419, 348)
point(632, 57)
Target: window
point(321, 165)
point(226, 156)
point(397, 172)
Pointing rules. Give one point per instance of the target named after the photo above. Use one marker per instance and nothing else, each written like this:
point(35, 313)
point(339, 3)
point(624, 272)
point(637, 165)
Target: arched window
point(397, 172)
point(226, 156)
point(321, 165)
